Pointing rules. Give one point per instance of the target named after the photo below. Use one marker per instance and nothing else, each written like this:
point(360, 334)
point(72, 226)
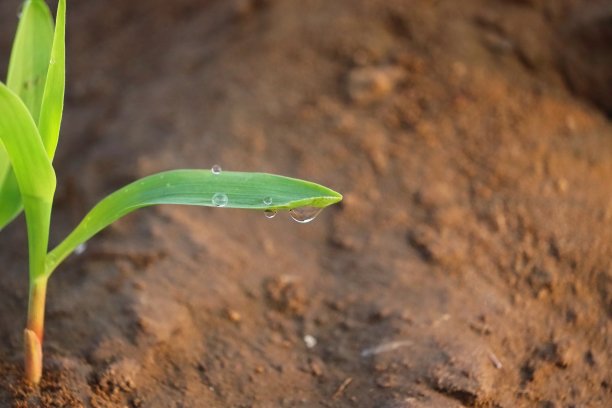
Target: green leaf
point(30, 55)
point(39, 84)
point(33, 170)
point(10, 198)
point(25, 149)
point(195, 187)
point(4, 164)
point(53, 97)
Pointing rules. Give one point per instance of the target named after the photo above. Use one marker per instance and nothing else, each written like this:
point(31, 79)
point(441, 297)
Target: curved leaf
point(27, 77)
point(195, 187)
point(33, 170)
point(52, 105)
point(25, 149)
point(30, 55)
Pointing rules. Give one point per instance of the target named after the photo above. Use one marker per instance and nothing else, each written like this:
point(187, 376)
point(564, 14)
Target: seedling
point(31, 105)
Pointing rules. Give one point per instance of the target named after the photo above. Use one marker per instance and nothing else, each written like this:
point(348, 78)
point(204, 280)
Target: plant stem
point(33, 334)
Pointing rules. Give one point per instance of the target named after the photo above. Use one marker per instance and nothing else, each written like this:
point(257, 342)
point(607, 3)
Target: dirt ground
point(468, 265)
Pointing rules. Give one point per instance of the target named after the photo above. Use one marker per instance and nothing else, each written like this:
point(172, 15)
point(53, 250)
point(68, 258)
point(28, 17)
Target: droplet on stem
point(80, 249)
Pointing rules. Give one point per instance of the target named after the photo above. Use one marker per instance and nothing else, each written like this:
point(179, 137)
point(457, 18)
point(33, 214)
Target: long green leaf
point(10, 198)
point(53, 97)
point(27, 77)
point(30, 55)
point(33, 170)
point(196, 187)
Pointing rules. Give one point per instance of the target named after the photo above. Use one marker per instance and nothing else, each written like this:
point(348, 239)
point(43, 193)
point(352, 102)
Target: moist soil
point(468, 265)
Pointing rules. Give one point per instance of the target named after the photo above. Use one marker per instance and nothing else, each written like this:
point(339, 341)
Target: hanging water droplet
point(305, 214)
point(267, 200)
point(80, 249)
point(216, 169)
point(270, 213)
point(220, 200)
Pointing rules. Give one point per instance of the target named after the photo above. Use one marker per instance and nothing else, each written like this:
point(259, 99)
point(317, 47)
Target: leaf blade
point(27, 77)
point(52, 104)
point(195, 187)
point(25, 149)
point(30, 55)
point(33, 171)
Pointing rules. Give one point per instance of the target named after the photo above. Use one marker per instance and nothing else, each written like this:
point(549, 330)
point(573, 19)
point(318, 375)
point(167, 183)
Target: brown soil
point(469, 264)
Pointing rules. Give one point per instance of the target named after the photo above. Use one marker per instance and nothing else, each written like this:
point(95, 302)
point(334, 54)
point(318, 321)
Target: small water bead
point(305, 214)
point(80, 249)
point(216, 169)
point(270, 213)
point(52, 61)
point(267, 200)
point(220, 200)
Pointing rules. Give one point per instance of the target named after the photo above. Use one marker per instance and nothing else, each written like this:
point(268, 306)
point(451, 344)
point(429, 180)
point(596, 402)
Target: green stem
point(34, 332)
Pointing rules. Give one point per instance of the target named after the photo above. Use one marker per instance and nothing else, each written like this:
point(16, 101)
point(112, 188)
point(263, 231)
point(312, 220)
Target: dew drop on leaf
point(305, 214)
point(220, 200)
point(216, 169)
point(267, 200)
point(270, 213)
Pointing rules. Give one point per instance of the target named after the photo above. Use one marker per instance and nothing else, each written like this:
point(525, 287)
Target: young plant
point(31, 105)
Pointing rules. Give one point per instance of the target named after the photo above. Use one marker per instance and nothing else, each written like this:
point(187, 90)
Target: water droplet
point(220, 200)
point(305, 214)
point(216, 169)
point(267, 200)
point(270, 213)
point(52, 61)
point(80, 249)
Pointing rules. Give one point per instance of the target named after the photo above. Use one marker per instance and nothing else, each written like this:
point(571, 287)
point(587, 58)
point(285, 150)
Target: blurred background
point(468, 265)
